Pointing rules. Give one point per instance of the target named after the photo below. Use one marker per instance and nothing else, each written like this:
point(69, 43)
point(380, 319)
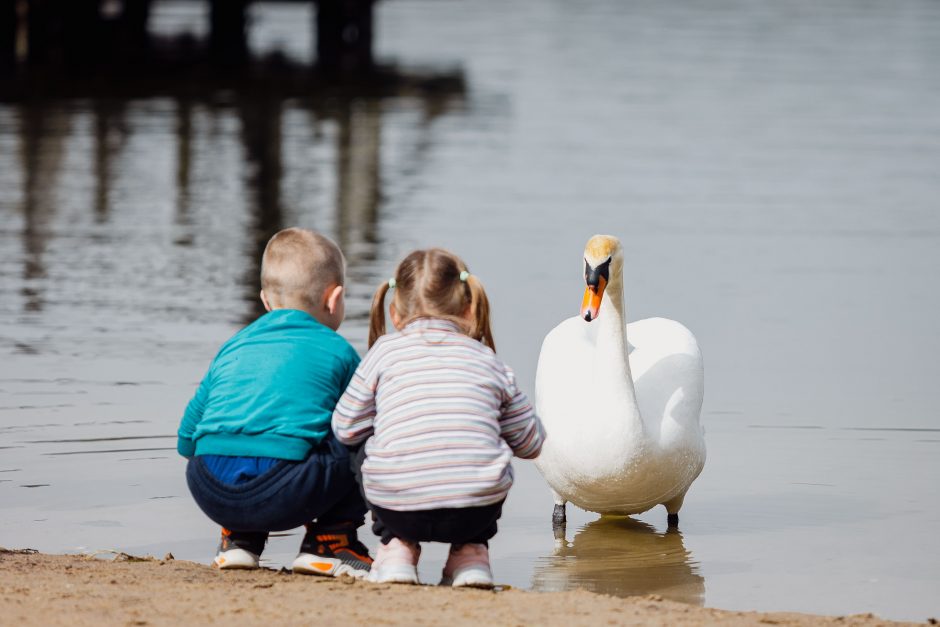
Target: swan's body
point(621, 415)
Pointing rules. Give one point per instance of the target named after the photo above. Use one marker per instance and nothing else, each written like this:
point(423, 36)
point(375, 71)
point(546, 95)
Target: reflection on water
point(623, 557)
point(67, 145)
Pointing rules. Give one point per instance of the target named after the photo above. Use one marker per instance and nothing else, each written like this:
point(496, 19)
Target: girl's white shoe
point(468, 565)
point(395, 562)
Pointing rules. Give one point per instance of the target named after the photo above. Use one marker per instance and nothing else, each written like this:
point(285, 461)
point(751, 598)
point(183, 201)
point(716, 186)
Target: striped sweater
point(442, 416)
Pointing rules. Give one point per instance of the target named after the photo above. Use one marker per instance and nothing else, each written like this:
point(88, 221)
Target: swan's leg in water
point(559, 521)
point(558, 514)
point(672, 510)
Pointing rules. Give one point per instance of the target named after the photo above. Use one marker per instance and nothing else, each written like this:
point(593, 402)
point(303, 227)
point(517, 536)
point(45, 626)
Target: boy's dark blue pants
point(290, 494)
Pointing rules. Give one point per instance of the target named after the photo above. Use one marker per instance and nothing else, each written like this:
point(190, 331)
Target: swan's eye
point(592, 275)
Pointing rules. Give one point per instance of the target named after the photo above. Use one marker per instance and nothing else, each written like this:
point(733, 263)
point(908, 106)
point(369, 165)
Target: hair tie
point(463, 276)
point(392, 283)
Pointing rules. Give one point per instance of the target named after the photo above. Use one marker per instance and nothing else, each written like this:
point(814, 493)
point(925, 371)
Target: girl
point(442, 416)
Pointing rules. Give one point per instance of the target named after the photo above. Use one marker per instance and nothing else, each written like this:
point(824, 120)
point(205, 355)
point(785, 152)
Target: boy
point(257, 432)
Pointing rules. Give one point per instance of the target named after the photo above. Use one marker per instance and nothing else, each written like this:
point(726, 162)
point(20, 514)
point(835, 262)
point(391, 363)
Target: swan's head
point(603, 259)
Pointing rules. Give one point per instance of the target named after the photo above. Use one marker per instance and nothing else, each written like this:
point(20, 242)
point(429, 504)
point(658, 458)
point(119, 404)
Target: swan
point(621, 416)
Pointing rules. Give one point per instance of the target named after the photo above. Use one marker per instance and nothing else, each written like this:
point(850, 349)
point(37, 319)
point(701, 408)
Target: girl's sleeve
point(519, 425)
point(355, 411)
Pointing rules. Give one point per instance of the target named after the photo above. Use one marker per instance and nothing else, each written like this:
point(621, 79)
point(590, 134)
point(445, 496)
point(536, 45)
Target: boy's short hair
point(298, 266)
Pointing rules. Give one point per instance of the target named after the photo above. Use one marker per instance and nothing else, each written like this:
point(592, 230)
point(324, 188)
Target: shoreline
point(42, 589)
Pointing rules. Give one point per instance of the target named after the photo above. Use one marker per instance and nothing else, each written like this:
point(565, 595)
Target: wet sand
point(40, 589)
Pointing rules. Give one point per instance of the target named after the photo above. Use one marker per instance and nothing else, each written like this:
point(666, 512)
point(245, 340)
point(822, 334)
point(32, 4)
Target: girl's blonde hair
point(428, 285)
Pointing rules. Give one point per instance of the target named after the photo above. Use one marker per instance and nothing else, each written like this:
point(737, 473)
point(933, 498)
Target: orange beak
point(590, 306)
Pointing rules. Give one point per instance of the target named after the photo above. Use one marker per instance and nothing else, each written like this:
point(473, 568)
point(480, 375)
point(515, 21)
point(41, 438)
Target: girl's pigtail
point(480, 312)
point(377, 317)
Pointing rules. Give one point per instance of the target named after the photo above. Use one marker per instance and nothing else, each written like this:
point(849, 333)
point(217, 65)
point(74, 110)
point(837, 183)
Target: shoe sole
point(479, 585)
point(470, 578)
point(325, 567)
point(224, 566)
point(236, 559)
point(403, 575)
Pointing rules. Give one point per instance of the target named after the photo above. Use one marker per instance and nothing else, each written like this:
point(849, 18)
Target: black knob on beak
point(592, 276)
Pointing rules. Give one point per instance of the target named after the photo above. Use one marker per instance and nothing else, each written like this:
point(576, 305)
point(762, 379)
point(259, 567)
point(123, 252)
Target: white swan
point(621, 417)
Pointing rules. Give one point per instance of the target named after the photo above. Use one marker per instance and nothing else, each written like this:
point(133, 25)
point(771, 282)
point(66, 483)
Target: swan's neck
point(612, 363)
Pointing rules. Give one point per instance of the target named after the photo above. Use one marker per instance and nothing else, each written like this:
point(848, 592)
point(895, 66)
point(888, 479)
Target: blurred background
point(772, 168)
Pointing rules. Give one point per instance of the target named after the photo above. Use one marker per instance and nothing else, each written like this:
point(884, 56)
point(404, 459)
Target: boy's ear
point(333, 298)
point(267, 305)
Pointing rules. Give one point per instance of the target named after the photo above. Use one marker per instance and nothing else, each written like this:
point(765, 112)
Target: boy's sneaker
point(332, 552)
point(396, 562)
point(468, 565)
point(240, 550)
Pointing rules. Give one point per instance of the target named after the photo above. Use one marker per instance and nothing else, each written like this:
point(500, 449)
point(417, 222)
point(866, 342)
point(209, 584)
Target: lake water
point(773, 169)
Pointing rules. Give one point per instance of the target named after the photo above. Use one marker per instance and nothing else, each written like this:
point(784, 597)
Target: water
point(772, 169)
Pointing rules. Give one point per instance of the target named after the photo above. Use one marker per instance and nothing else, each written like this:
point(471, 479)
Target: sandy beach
point(40, 589)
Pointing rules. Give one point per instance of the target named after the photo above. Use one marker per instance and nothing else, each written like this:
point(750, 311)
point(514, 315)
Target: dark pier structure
point(61, 59)
point(82, 34)
point(103, 49)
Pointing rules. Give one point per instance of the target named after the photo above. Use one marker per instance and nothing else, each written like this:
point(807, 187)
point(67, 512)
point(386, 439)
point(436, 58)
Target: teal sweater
point(270, 391)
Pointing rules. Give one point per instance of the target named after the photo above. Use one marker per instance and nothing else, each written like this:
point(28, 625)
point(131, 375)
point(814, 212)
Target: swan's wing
point(652, 339)
point(668, 375)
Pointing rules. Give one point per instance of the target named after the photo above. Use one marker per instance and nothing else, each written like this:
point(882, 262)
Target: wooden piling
point(228, 38)
point(74, 34)
point(133, 35)
point(83, 41)
point(8, 27)
point(39, 31)
point(344, 31)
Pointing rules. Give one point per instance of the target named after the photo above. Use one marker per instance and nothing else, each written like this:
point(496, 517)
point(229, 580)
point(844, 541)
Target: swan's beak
point(593, 295)
point(596, 278)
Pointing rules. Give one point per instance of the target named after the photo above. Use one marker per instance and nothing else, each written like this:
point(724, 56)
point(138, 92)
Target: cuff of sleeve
point(530, 452)
point(345, 440)
point(186, 448)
